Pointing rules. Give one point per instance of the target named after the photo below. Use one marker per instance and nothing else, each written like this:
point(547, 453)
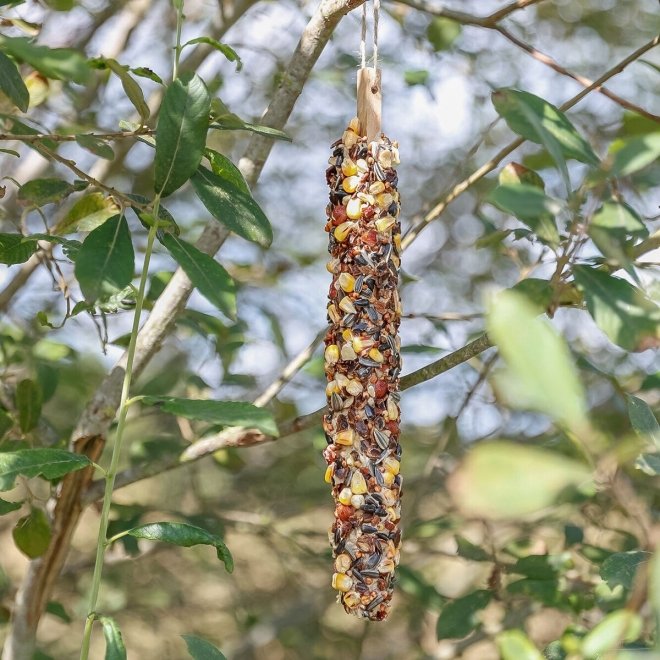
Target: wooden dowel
point(369, 102)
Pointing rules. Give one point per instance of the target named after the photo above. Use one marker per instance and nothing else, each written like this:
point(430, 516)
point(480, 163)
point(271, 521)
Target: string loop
point(363, 38)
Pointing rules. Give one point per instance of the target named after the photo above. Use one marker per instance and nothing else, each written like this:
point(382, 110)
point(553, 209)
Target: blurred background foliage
point(479, 558)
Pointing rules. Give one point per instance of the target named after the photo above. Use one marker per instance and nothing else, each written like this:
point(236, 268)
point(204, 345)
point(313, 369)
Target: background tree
point(530, 139)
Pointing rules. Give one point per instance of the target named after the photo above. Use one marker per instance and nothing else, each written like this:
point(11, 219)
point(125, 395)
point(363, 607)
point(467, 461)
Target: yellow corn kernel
point(350, 183)
point(330, 470)
point(347, 353)
point(384, 200)
point(360, 344)
point(391, 465)
point(332, 354)
point(385, 158)
point(346, 282)
point(388, 478)
point(386, 223)
point(334, 315)
point(345, 437)
point(349, 138)
point(347, 334)
point(348, 167)
point(346, 305)
point(354, 125)
point(332, 265)
point(331, 387)
point(341, 582)
point(395, 260)
point(342, 231)
point(343, 563)
point(392, 409)
point(354, 208)
point(354, 387)
point(376, 188)
point(376, 355)
point(397, 242)
point(387, 566)
point(358, 483)
point(352, 599)
point(342, 380)
point(344, 496)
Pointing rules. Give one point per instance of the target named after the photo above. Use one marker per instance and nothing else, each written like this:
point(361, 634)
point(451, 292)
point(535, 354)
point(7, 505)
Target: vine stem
point(116, 450)
point(177, 47)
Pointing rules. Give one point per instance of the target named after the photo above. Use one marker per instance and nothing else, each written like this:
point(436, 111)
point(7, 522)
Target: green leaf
point(232, 206)
point(620, 568)
point(184, 535)
point(131, 88)
point(515, 173)
point(538, 293)
point(227, 51)
point(619, 217)
point(619, 309)
point(413, 583)
point(501, 480)
point(6, 422)
point(414, 77)
point(542, 591)
point(648, 464)
point(643, 420)
point(14, 249)
point(515, 645)
point(537, 567)
point(57, 63)
point(469, 550)
point(146, 72)
point(181, 133)
point(57, 609)
point(28, 404)
point(225, 169)
point(442, 32)
point(615, 628)
point(96, 146)
point(69, 247)
point(225, 120)
point(105, 262)
point(40, 192)
point(200, 649)
point(459, 618)
point(8, 507)
point(166, 222)
point(88, 213)
point(32, 534)
point(60, 5)
point(114, 644)
point(531, 206)
point(519, 109)
point(540, 371)
point(636, 154)
point(12, 85)
point(206, 274)
point(227, 413)
point(48, 463)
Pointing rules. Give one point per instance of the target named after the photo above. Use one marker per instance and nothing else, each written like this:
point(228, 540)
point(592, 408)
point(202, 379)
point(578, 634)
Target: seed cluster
point(362, 364)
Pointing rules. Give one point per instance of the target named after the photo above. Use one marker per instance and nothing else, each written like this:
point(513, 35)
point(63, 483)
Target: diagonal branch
point(455, 192)
point(240, 437)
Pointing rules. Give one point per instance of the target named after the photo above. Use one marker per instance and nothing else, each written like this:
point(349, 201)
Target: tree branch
point(100, 411)
point(490, 165)
point(241, 437)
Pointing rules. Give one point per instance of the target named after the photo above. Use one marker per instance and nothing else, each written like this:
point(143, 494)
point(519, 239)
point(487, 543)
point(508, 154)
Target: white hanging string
point(376, 17)
point(363, 38)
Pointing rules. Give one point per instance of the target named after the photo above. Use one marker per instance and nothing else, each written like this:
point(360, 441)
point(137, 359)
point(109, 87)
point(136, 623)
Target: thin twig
point(491, 164)
point(240, 437)
point(58, 137)
point(582, 80)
